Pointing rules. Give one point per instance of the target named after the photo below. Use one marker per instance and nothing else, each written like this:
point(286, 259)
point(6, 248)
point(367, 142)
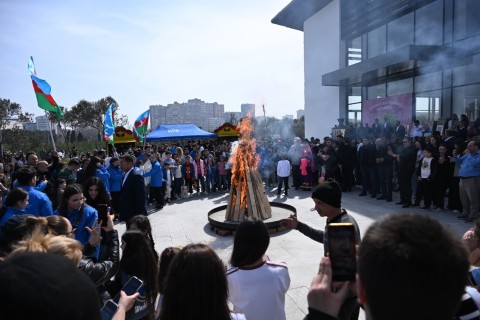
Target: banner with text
point(394, 108)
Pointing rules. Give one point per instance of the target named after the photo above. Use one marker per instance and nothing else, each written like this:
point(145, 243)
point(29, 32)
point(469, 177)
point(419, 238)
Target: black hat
point(329, 192)
point(46, 286)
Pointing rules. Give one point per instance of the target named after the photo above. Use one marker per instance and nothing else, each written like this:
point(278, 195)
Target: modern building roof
point(297, 12)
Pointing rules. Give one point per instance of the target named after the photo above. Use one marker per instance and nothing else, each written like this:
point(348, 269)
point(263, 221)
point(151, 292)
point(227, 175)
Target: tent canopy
point(171, 132)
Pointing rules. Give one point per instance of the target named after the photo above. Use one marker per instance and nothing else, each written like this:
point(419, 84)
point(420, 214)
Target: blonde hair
point(39, 241)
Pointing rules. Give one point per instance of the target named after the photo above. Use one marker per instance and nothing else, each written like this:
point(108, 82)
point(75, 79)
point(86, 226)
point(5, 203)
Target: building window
point(466, 100)
point(429, 24)
point(398, 87)
point(377, 41)
point(354, 108)
point(428, 82)
point(354, 51)
point(375, 92)
point(428, 106)
point(400, 32)
point(466, 21)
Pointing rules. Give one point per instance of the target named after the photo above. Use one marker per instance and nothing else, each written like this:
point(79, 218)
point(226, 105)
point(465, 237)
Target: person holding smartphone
point(327, 197)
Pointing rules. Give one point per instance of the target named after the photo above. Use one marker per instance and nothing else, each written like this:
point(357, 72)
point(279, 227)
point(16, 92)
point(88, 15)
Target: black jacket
point(100, 272)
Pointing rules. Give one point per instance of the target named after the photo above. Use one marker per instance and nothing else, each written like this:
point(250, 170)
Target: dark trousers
point(115, 201)
point(425, 191)
point(348, 178)
point(369, 179)
point(159, 195)
point(177, 186)
point(441, 185)
point(365, 178)
point(297, 176)
point(189, 184)
point(454, 202)
point(385, 178)
point(405, 181)
point(284, 181)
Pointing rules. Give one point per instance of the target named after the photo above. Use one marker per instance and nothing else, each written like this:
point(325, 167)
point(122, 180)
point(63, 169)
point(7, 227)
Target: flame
point(244, 159)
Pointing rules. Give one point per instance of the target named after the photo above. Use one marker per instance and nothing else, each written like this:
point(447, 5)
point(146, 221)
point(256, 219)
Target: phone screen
point(109, 310)
point(342, 251)
point(102, 213)
point(132, 286)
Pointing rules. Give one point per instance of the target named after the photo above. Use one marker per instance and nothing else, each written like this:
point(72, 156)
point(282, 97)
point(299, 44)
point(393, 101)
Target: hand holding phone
point(103, 209)
point(132, 286)
point(342, 251)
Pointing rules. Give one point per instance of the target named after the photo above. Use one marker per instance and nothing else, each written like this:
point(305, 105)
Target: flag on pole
point(140, 126)
point(42, 92)
point(109, 125)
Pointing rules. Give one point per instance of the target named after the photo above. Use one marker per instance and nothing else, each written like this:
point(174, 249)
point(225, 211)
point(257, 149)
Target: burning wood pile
point(247, 198)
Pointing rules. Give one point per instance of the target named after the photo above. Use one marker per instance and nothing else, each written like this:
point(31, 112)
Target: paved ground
point(185, 221)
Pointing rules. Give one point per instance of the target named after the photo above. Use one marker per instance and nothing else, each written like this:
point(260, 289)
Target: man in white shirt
point(283, 172)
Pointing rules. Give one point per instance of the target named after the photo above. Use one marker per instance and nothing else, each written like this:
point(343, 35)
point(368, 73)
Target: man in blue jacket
point(38, 202)
point(156, 182)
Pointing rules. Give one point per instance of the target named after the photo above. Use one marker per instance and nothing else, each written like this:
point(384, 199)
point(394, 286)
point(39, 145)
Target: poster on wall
point(394, 108)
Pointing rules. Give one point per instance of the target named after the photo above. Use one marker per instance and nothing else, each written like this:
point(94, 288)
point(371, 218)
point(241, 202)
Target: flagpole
point(50, 129)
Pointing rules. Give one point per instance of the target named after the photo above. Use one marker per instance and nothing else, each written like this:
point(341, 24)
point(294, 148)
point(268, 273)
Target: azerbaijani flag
point(109, 124)
point(42, 92)
point(140, 127)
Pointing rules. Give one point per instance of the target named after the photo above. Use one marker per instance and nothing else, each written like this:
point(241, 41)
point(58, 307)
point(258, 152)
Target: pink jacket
point(198, 170)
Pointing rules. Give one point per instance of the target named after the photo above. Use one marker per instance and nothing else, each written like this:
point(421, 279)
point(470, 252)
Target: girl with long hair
point(80, 214)
point(96, 169)
point(257, 286)
point(142, 223)
point(196, 287)
point(138, 260)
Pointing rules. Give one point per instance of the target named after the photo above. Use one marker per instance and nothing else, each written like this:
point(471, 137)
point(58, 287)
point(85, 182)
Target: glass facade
point(444, 79)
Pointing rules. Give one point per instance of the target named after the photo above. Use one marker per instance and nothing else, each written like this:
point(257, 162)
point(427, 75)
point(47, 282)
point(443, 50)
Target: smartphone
point(102, 213)
point(108, 310)
point(342, 251)
point(133, 285)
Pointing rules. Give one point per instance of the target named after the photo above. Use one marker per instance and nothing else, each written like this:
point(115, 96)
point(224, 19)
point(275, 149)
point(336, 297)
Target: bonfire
point(247, 198)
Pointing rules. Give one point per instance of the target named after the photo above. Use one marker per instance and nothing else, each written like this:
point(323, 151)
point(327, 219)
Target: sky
point(149, 52)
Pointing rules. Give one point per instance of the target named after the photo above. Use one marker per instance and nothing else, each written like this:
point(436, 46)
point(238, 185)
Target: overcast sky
point(152, 52)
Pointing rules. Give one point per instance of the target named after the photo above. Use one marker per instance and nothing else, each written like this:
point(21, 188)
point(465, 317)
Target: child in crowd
point(222, 173)
point(283, 172)
point(426, 174)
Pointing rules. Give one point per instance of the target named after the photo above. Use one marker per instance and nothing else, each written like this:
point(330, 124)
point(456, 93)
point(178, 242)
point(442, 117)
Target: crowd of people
point(68, 206)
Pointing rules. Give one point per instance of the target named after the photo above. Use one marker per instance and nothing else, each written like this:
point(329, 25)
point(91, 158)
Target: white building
point(44, 125)
point(400, 60)
point(321, 55)
point(30, 126)
point(288, 116)
point(194, 111)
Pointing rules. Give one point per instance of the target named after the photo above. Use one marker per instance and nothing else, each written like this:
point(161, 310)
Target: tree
point(91, 114)
point(21, 140)
point(298, 127)
point(11, 110)
point(73, 137)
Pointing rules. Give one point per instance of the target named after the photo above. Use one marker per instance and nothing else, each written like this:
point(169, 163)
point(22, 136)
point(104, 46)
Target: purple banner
point(394, 108)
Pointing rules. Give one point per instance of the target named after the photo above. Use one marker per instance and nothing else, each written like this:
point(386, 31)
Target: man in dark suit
point(387, 128)
point(132, 194)
point(399, 132)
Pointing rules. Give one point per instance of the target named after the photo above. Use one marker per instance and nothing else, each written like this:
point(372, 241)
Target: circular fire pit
point(280, 211)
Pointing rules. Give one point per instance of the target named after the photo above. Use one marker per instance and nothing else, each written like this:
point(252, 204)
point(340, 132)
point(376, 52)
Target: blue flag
point(109, 124)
